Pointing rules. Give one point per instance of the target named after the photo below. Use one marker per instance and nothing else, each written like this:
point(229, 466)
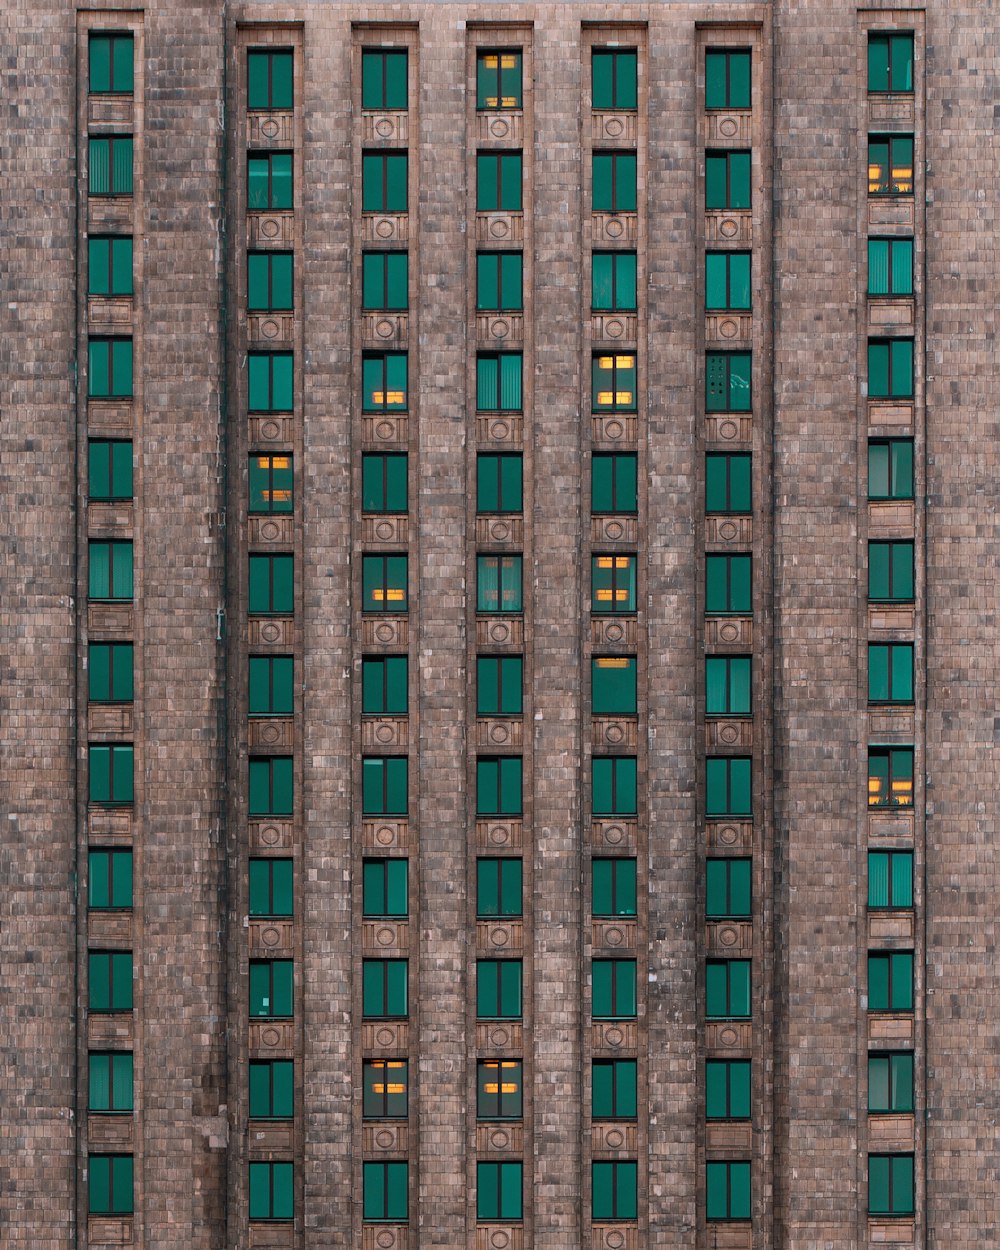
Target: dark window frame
point(266, 663)
point(892, 244)
point(106, 973)
point(270, 1065)
point(503, 304)
point(497, 460)
point(389, 777)
point(275, 506)
point(894, 1105)
point(894, 1204)
point(113, 276)
point(502, 989)
point(629, 888)
point(894, 965)
point(259, 763)
point(728, 1067)
point(621, 970)
point(888, 180)
point(615, 1066)
point(628, 302)
point(384, 54)
point(387, 689)
point(617, 762)
point(369, 458)
point(504, 682)
point(371, 256)
point(892, 469)
point(502, 1168)
point(257, 156)
point(270, 1168)
point(711, 561)
point(116, 1205)
point(728, 54)
point(888, 38)
point(382, 865)
point(498, 1111)
point(890, 649)
point(891, 545)
point(111, 37)
point(272, 400)
point(371, 182)
point(117, 755)
point(728, 257)
point(499, 358)
point(615, 55)
point(370, 1094)
point(116, 345)
point(894, 772)
point(728, 206)
point(270, 53)
point(502, 907)
point(723, 387)
point(269, 258)
point(272, 559)
point(387, 405)
point(501, 159)
point(729, 1165)
point(288, 865)
point(499, 106)
point(730, 909)
point(892, 854)
point(728, 457)
point(385, 583)
point(729, 1013)
point(631, 575)
point(727, 662)
point(388, 1168)
point(729, 811)
point(115, 165)
point(612, 370)
point(112, 1058)
point(118, 857)
point(617, 1170)
point(612, 206)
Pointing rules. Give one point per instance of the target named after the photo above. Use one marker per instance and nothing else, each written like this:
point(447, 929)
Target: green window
point(270, 385)
point(271, 983)
point(269, 79)
point(272, 585)
point(110, 1084)
point(385, 1191)
point(269, 181)
point(727, 1089)
point(499, 785)
point(890, 879)
point(499, 989)
point(385, 785)
point(614, 785)
point(890, 266)
point(615, 78)
point(612, 583)
point(271, 685)
point(890, 165)
point(614, 188)
point(727, 585)
point(500, 1083)
point(890, 572)
point(109, 980)
point(272, 1089)
point(890, 468)
point(109, 878)
point(109, 672)
point(271, 1191)
point(614, 1190)
point(498, 887)
point(109, 374)
point(109, 265)
point(614, 989)
point(498, 1191)
point(498, 584)
point(269, 281)
point(727, 785)
point(727, 1191)
point(384, 382)
point(499, 482)
point(613, 686)
point(385, 280)
point(613, 281)
point(727, 888)
point(727, 685)
point(110, 1185)
point(384, 685)
point(383, 79)
point(890, 672)
point(614, 1086)
point(498, 182)
point(727, 281)
point(383, 182)
point(271, 786)
point(890, 776)
point(383, 482)
point(727, 381)
point(109, 469)
point(499, 281)
point(110, 164)
point(271, 887)
point(890, 63)
point(613, 383)
point(111, 773)
point(499, 682)
point(614, 482)
point(890, 1184)
point(385, 887)
point(890, 1083)
point(890, 981)
point(727, 989)
point(727, 180)
point(727, 78)
point(613, 887)
point(271, 484)
point(499, 381)
point(111, 64)
point(890, 368)
point(385, 1085)
point(728, 482)
point(499, 79)
point(384, 581)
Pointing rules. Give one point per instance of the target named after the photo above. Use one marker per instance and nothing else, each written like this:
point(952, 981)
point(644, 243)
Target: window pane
point(625, 183)
point(510, 182)
point(613, 686)
point(602, 83)
point(739, 80)
point(716, 86)
point(717, 1191)
point(716, 280)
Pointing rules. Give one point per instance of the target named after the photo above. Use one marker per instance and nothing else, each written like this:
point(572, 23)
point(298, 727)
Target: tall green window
point(269, 181)
point(890, 672)
point(111, 774)
point(384, 583)
point(890, 368)
point(890, 572)
point(384, 685)
point(385, 891)
point(727, 989)
point(385, 1085)
point(614, 1190)
point(500, 1084)
point(271, 685)
point(890, 1083)
point(727, 1191)
point(614, 993)
point(613, 382)
point(890, 1184)
point(727, 281)
point(499, 1189)
point(383, 481)
point(890, 63)
point(385, 281)
point(499, 785)
point(614, 1089)
point(112, 59)
point(727, 685)
point(271, 484)
point(109, 475)
point(727, 888)
point(499, 989)
point(499, 685)
point(498, 182)
point(890, 980)
point(727, 180)
point(890, 468)
point(109, 265)
point(728, 382)
point(271, 988)
point(110, 165)
point(890, 776)
point(383, 79)
point(499, 887)
point(727, 585)
point(383, 182)
point(890, 266)
point(272, 1189)
point(727, 785)
point(385, 1191)
point(271, 786)
point(110, 1084)
point(613, 685)
point(110, 672)
point(269, 79)
point(615, 189)
point(384, 382)
point(109, 981)
point(614, 78)
point(727, 1089)
point(890, 879)
point(499, 381)
point(499, 281)
point(272, 1089)
point(890, 165)
point(499, 79)
point(728, 482)
point(613, 281)
point(270, 382)
point(271, 585)
point(272, 889)
point(613, 886)
point(498, 584)
point(499, 482)
point(385, 785)
point(612, 586)
point(110, 1188)
point(109, 879)
point(614, 482)
point(269, 281)
point(109, 374)
point(614, 785)
point(727, 78)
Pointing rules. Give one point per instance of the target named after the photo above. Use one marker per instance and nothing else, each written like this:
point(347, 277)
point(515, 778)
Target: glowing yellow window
point(614, 383)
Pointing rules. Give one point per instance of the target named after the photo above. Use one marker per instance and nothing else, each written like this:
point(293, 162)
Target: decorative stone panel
point(898, 1233)
point(500, 936)
point(502, 1037)
point(729, 1038)
point(735, 734)
point(614, 631)
point(613, 1036)
point(612, 1139)
point(896, 825)
point(618, 1236)
point(117, 111)
point(384, 528)
point(888, 725)
point(617, 833)
point(499, 1237)
point(615, 127)
point(891, 929)
point(499, 1138)
point(110, 930)
point(734, 126)
point(269, 833)
point(268, 1138)
point(272, 1236)
point(729, 428)
point(109, 621)
point(385, 329)
point(270, 329)
point(884, 109)
point(271, 432)
point(109, 1230)
point(730, 1236)
point(386, 431)
point(270, 130)
point(110, 824)
point(614, 529)
point(112, 1030)
point(385, 632)
point(271, 1039)
point(110, 213)
point(891, 212)
point(499, 227)
point(270, 230)
point(897, 314)
point(883, 617)
point(724, 225)
point(385, 834)
point(728, 329)
point(109, 418)
point(499, 329)
point(270, 531)
point(500, 632)
point(891, 520)
point(498, 834)
point(500, 529)
point(500, 733)
point(615, 935)
point(385, 228)
point(614, 228)
point(385, 1237)
point(893, 413)
point(894, 1029)
point(384, 1137)
point(385, 937)
point(731, 1138)
point(271, 939)
point(505, 428)
point(109, 720)
point(725, 532)
point(730, 938)
point(266, 735)
point(618, 328)
point(385, 1037)
point(506, 127)
point(111, 1134)
point(110, 520)
point(891, 1132)
point(618, 430)
point(729, 835)
point(392, 129)
point(109, 314)
point(728, 633)
point(385, 733)
point(265, 632)
point(615, 732)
